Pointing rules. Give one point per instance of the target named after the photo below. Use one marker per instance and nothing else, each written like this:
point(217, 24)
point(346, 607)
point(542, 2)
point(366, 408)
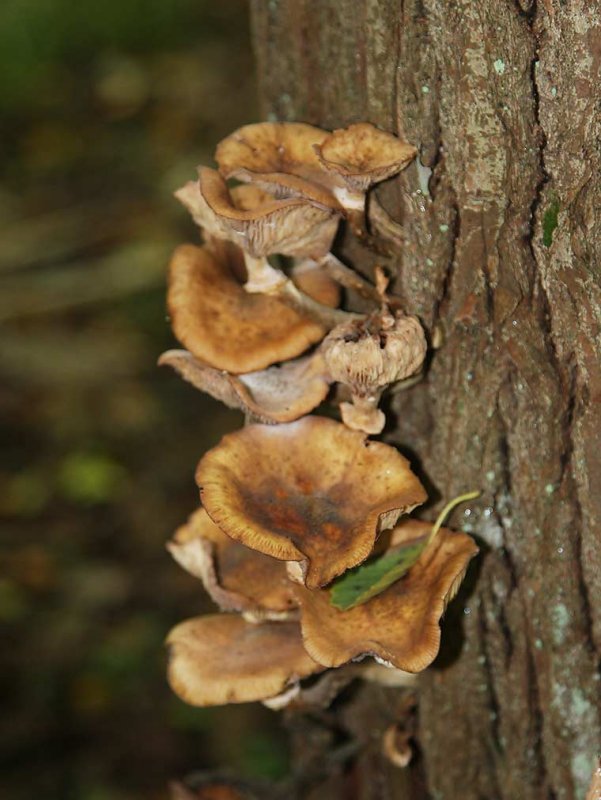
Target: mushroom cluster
point(294, 505)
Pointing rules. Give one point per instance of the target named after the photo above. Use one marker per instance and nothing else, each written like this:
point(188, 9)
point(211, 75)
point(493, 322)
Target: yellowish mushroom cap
point(311, 491)
point(222, 659)
point(225, 326)
point(400, 625)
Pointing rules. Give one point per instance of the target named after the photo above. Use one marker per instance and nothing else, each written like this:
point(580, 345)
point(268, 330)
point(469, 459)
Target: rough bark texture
point(502, 256)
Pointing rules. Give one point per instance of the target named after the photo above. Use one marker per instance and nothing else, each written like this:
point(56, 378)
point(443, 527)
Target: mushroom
point(255, 220)
point(273, 395)
point(224, 326)
point(222, 659)
point(368, 355)
point(236, 578)
point(357, 157)
point(263, 226)
point(400, 626)
point(267, 148)
point(310, 491)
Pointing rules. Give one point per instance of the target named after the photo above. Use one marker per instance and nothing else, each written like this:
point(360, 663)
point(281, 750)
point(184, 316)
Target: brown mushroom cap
point(220, 323)
point(311, 491)
point(400, 625)
point(222, 659)
point(236, 578)
point(312, 279)
point(268, 147)
point(292, 226)
point(273, 395)
point(363, 154)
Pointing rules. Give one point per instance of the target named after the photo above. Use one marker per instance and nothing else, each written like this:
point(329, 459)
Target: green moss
point(550, 221)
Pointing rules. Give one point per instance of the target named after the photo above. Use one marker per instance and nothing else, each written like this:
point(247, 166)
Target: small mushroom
point(263, 226)
point(273, 395)
point(400, 626)
point(272, 147)
point(235, 577)
point(290, 226)
point(368, 355)
point(224, 326)
point(222, 659)
point(358, 157)
point(310, 491)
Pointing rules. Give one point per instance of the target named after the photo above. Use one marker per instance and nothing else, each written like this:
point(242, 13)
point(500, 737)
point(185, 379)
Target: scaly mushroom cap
point(368, 354)
point(274, 395)
point(362, 155)
point(222, 659)
point(292, 226)
point(271, 147)
point(220, 323)
point(311, 491)
point(236, 578)
point(401, 625)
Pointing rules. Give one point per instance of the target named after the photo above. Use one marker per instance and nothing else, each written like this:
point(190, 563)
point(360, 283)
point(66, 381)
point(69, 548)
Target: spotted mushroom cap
point(236, 578)
point(362, 155)
point(401, 625)
point(221, 659)
point(310, 491)
point(225, 326)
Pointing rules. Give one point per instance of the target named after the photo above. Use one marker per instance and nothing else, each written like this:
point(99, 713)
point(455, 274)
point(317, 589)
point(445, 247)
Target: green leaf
point(370, 579)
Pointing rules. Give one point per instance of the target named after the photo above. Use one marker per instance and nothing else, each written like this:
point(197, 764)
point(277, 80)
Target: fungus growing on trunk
point(311, 491)
point(368, 355)
point(224, 326)
point(266, 148)
point(400, 626)
point(273, 395)
point(289, 159)
point(236, 578)
point(224, 659)
point(359, 156)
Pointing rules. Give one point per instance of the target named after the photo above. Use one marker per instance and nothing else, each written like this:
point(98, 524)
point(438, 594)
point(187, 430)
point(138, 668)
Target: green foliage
point(35, 35)
point(550, 221)
point(359, 585)
point(372, 578)
point(265, 757)
point(88, 478)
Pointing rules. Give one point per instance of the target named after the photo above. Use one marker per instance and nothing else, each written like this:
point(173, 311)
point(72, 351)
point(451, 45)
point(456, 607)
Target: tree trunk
point(501, 262)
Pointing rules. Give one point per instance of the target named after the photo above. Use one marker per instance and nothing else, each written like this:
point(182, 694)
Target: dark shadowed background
point(106, 108)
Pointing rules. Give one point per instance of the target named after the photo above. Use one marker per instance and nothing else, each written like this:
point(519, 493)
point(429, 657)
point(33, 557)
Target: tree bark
point(502, 222)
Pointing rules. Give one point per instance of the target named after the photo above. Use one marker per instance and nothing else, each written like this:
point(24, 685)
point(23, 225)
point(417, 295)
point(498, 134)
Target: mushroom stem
point(265, 279)
point(324, 315)
point(363, 413)
point(348, 277)
point(261, 276)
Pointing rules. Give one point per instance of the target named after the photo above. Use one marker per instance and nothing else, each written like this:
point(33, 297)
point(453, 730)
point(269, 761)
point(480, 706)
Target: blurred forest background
point(106, 108)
